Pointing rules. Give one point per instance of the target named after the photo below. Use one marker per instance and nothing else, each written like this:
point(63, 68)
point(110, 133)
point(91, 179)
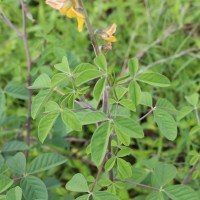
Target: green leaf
point(45, 125)
point(52, 106)
point(124, 169)
point(83, 197)
point(99, 88)
point(154, 79)
point(146, 99)
point(138, 174)
point(156, 195)
point(194, 130)
point(100, 61)
point(166, 124)
point(84, 67)
point(14, 194)
point(43, 81)
point(164, 104)
point(128, 104)
point(64, 66)
point(128, 127)
point(194, 159)
point(15, 145)
point(134, 92)
point(193, 99)
point(99, 143)
point(184, 112)
point(17, 91)
point(180, 192)
point(44, 162)
point(71, 120)
point(104, 196)
point(3, 197)
point(86, 76)
point(124, 139)
point(78, 183)
point(163, 174)
point(124, 151)
point(133, 65)
point(5, 183)
point(58, 79)
point(109, 164)
point(39, 101)
point(17, 163)
point(2, 102)
point(93, 117)
point(33, 188)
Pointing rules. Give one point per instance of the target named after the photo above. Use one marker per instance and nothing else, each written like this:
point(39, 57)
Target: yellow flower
point(70, 9)
point(107, 34)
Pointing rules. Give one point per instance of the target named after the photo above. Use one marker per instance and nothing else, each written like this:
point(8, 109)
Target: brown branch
point(187, 179)
point(90, 30)
point(29, 67)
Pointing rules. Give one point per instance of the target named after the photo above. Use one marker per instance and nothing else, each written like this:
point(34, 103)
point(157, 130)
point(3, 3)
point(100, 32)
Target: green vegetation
point(105, 110)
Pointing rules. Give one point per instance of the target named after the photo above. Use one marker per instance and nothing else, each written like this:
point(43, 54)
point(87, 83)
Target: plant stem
point(147, 114)
point(99, 173)
point(90, 30)
point(197, 115)
point(29, 67)
point(10, 24)
point(187, 179)
point(139, 184)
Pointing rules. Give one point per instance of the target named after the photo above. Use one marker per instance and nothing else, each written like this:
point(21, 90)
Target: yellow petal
point(80, 23)
point(110, 39)
point(71, 13)
point(65, 10)
point(111, 30)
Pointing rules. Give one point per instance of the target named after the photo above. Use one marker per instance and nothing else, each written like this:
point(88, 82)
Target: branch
point(164, 60)
point(139, 184)
point(187, 179)
point(90, 30)
point(29, 67)
point(141, 54)
point(147, 114)
point(165, 35)
point(10, 24)
point(197, 115)
point(99, 173)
